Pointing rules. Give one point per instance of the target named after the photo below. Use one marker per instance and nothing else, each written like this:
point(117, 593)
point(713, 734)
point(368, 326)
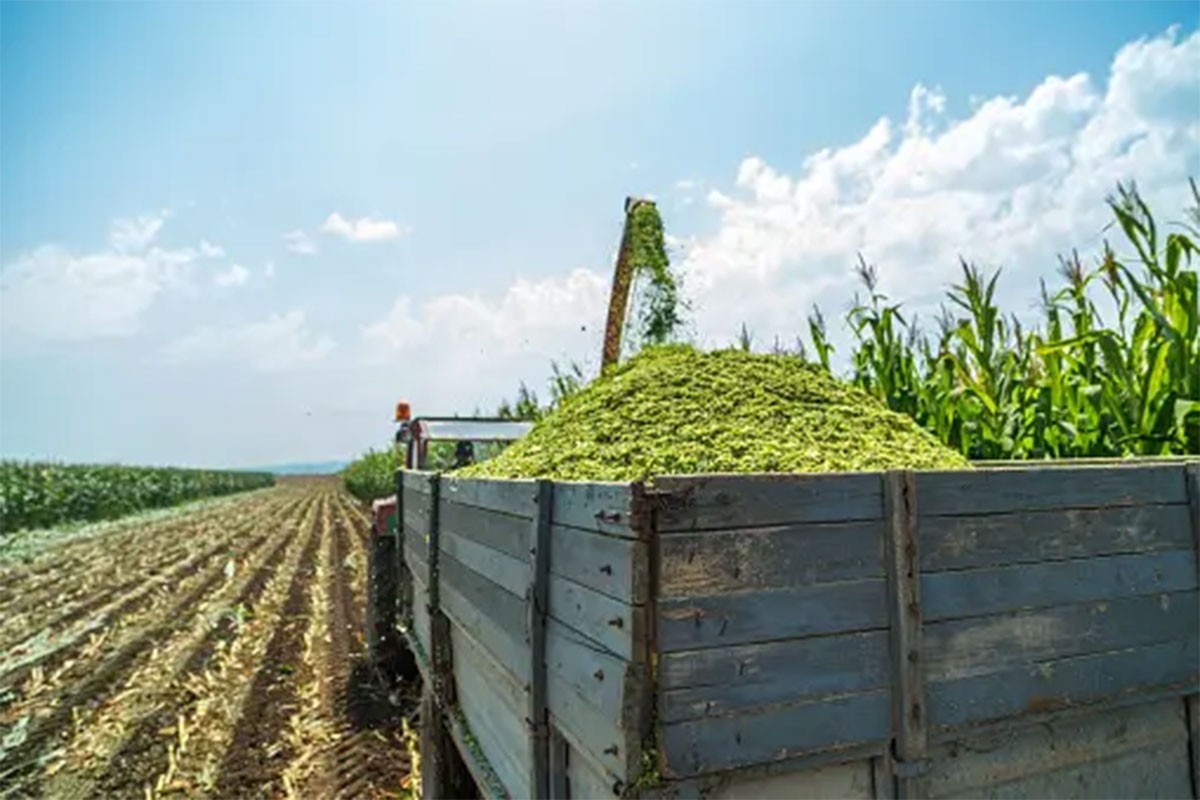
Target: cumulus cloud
point(1011, 184)
point(135, 234)
point(210, 250)
point(269, 269)
point(298, 242)
point(54, 293)
point(363, 229)
point(236, 275)
point(279, 343)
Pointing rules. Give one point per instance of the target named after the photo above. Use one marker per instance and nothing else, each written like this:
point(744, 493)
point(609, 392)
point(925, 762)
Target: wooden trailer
point(1025, 631)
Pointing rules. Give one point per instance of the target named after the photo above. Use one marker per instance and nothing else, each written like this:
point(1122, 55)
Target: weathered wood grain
point(979, 592)
point(763, 558)
point(504, 532)
point(494, 706)
point(516, 497)
point(421, 613)
point(559, 755)
point(591, 731)
point(612, 566)
point(490, 614)
point(738, 501)
point(978, 645)
point(615, 625)
point(598, 507)
point(589, 781)
point(986, 765)
point(1041, 487)
point(1033, 536)
point(1063, 683)
point(414, 557)
point(501, 568)
point(716, 743)
point(720, 681)
point(729, 619)
point(415, 480)
point(417, 540)
point(415, 506)
point(598, 676)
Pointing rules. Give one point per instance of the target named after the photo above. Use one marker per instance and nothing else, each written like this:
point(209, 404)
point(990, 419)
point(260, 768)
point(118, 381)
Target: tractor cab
point(441, 443)
point(437, 444)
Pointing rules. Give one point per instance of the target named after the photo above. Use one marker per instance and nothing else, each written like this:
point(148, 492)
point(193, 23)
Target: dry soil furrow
point(368, 759)
point(49, 648)
point(104, 675)
point(145, 752)
point(63, 565)
point(135, 572)
point(258, 753)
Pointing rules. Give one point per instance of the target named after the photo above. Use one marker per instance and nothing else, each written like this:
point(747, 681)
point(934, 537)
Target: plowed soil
point(219, 653)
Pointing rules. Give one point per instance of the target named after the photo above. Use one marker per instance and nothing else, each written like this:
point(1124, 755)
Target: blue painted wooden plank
point(729, 619)
point(417, 539)
point(615, 625)
point(598, 676)
point(981, 491)
point(494, 706)
point(727, 742)
point(598, 507)
point(421, 613)
point(738, 501)
point(1063, 683)
point(500, 568)
point(588, 781)
point(994, 763)
point(1032, 536)
point(724, 680)
point(516, 497)
point(489, 613)
point(504, 532)
point(416, 480)
point(978, 645)
point(592, 731)
point(979, 592)
point(763, 558)
point(612, 566)
point(416, 562)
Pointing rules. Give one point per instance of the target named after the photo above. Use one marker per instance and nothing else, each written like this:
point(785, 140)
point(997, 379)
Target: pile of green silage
point(674, 410)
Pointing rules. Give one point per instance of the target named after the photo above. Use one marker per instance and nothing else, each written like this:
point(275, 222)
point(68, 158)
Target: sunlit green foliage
point(1112, 368)
point(373, 475)
point(44, 494)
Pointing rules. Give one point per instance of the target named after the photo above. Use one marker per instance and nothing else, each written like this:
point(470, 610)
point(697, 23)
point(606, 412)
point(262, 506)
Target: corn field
point(43, 494)
point(1112, 367)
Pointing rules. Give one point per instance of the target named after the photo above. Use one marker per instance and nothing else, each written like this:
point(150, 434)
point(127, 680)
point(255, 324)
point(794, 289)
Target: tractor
point(427, 443)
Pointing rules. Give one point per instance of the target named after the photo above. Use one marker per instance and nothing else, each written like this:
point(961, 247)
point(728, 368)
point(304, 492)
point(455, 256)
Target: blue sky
point(459, 170)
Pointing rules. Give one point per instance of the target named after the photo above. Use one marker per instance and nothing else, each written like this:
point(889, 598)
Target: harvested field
point(215, 653)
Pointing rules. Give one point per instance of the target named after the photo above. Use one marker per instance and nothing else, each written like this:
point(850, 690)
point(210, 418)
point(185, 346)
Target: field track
point(217, 653)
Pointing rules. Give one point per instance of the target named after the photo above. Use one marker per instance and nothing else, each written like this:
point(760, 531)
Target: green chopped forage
point(675, 410)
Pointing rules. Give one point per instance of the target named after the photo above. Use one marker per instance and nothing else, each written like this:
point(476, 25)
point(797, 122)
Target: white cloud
point(54, 293)
point(299, 243)
point(279, 343)
point(363, 229)
point(209, 250)
point(136, 234)
point(685, 184)
point(269, 269)
point(1012, 184)
point(236, 275)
